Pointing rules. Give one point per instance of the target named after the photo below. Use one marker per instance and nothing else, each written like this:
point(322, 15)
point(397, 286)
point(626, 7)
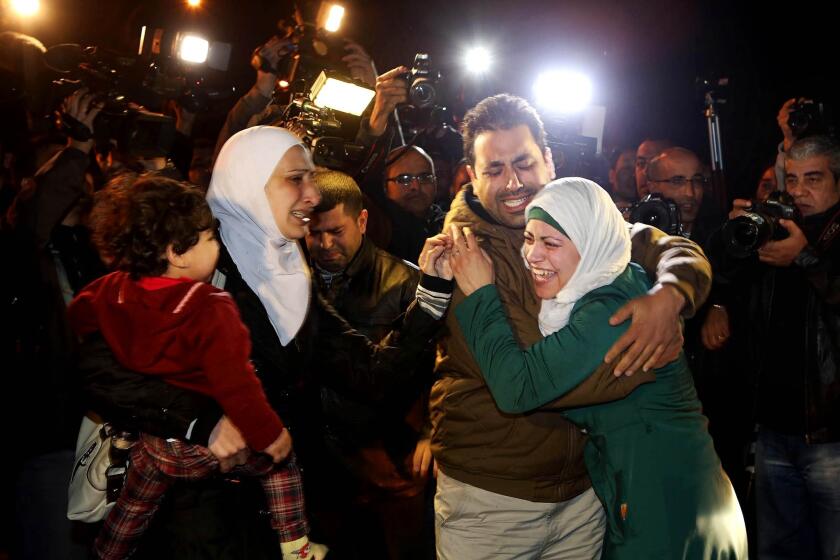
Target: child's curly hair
point(135, 218)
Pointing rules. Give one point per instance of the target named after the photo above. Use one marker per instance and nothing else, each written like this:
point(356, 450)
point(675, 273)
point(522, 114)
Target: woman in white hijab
point(649, 455)
point(263, 193)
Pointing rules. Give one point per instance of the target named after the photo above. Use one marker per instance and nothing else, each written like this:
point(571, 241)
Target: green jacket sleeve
point(523, 380)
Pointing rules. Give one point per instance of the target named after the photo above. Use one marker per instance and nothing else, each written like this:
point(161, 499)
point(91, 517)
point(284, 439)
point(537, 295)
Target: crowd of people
point(455, 352)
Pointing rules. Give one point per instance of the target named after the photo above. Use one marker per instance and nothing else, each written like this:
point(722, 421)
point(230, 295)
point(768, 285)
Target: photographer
point(678, 174)
point(255, 107)
point(792, 286)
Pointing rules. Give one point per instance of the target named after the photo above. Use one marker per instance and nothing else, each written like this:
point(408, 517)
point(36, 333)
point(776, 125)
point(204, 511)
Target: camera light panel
point(340, 96)
point(563, 91)
point(334, 17)
point(193, 48)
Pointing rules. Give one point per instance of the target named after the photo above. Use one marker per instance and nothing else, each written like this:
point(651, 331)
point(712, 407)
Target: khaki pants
point(471, 523)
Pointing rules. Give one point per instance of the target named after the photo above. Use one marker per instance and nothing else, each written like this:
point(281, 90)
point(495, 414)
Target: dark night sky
point(643, 56)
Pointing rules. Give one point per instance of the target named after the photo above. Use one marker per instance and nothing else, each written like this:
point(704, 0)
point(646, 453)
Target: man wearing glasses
point(409, 185)
point(677, 173)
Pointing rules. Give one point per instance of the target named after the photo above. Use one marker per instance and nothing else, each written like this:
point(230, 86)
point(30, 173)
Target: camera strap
point(829, 233)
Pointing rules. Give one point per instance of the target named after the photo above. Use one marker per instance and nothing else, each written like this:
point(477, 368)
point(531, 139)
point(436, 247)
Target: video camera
point(313, 116)
point(659, 212)
point(133, 88)
point(744, 235)
point(315, 47)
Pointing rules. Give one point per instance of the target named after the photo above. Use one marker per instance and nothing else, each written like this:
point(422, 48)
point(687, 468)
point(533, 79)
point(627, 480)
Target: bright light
point(563, 91)
point(26, 8)
point(193, 3)
point(284, 84)
point(334, 17)
point(193, 49)
point(478, 60)
point(340, 96)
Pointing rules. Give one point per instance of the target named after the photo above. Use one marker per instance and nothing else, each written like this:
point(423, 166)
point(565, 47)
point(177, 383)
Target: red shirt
point(189, 334)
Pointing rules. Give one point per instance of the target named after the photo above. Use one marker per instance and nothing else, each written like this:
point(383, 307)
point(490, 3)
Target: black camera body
point(131, 89)
point(423, 82)
point(744, 235)
point(319, 129)
point(808, 118)
point(659, 212)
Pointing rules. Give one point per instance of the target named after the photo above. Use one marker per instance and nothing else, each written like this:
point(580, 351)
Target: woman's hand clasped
point(471, 266)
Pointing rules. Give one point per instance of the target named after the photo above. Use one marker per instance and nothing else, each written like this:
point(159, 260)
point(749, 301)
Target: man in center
point(514, 485)
point(376, 439)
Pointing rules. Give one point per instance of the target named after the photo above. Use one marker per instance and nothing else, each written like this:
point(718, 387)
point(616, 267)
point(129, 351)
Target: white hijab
point(272, 266)
point(593, 223)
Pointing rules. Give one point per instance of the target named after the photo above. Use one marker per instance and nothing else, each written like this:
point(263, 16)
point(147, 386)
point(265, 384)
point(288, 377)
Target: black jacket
point(372, 294)
point(795, 318)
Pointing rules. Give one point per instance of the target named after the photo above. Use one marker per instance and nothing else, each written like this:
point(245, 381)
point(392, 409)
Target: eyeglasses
point(679, 181)
point(405, 179)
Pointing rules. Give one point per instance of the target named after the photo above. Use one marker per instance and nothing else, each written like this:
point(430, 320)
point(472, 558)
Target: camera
point(745, 234)
point(314, 45)
point(320, 129)
point(132, 88)
point(807, 118)
point(659, 212)
point(422, 82)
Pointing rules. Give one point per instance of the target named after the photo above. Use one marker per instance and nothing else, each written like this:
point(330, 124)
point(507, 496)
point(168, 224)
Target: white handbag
point(88, 482)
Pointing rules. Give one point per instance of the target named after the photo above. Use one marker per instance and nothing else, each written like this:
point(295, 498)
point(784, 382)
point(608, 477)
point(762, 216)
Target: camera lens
point(651, 213)
point(744, 234)
point(422, 93)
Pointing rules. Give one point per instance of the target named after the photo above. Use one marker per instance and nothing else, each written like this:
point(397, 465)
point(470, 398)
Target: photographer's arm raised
point(258, 97)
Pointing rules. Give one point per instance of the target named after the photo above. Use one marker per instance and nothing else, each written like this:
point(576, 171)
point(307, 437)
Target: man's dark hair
point(818, 146)
point(135, 218)
point(500, 112)
point(338, 188)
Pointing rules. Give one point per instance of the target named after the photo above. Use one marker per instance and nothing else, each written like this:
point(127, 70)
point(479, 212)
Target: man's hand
point(391, 90)
point(184, 119)
point(272, 52)
point(380, 471)
point(423, 459)
point(715, 330)
point(359, 63)
point(281, 447)
point(655, 336)
point(739, 207)
point(471, 266)
point(434, 257)
point(228, 445)
point(782, 253)
point(783, 118)
point(81, 106)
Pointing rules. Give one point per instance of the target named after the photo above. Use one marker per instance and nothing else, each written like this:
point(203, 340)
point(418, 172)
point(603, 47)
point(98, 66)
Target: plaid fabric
point(156, 464)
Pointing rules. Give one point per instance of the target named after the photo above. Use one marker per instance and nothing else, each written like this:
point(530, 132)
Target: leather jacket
point(818, 274)
point(372, 294)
